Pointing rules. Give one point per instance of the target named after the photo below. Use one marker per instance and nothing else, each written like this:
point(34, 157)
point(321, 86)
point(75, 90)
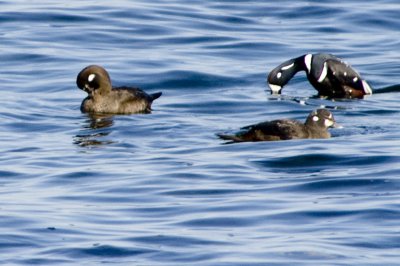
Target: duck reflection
point(94, 130)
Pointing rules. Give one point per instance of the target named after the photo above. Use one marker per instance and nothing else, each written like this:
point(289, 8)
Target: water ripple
point(161, 188)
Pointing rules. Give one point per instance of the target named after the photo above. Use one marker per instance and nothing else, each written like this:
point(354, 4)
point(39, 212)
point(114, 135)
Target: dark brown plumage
point(315, 127)
point(329, 75)
point(103, 98)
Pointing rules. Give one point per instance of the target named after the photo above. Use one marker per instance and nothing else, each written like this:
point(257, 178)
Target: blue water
point(162, 189)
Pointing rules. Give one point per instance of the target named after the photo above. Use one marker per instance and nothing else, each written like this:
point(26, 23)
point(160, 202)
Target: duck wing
point(133, 100)
point(343, 77)
point(276, 130)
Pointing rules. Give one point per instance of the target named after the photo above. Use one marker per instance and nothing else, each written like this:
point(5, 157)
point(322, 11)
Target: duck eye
point(91, 77)
point(315, 118)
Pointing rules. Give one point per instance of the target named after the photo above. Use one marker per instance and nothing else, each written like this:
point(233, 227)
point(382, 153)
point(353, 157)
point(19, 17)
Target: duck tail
point(155, 95)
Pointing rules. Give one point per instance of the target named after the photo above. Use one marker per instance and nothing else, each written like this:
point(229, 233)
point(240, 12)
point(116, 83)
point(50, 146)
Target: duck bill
point(336, 125)
point(88, 89)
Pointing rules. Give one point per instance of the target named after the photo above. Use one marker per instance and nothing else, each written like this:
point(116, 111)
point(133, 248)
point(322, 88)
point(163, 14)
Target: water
point(162, 189)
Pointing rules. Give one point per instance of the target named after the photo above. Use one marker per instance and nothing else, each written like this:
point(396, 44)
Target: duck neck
point(301, 63)
point(283, 73)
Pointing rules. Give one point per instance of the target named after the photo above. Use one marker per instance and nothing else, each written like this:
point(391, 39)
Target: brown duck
point(103, 98)
point(315, 127)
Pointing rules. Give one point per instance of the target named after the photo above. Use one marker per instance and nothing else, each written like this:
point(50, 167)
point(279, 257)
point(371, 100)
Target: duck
point(104, 99)
point(328, 74)
point(315, 127)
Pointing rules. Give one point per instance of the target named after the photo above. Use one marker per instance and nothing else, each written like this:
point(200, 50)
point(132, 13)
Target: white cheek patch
point(307, 62)
point(279, 75)
point(324, 73)
point(355, 79)
point(91, 77)
point(328, 123)
point(315, 118)
point(287, 67)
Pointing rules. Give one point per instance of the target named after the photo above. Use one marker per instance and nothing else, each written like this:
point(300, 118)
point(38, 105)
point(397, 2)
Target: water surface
point(162, 189)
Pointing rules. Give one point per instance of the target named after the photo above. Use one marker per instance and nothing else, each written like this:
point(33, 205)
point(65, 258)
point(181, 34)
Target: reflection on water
point(94, 130)
point(96, 121)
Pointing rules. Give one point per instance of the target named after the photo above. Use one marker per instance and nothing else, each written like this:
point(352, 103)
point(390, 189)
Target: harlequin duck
point(329, 75)
point(315, 127)
point(104, 99)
